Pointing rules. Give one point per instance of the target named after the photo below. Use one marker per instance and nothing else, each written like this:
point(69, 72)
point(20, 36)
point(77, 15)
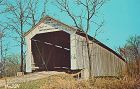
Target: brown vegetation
point(68, 82)
point(133, 69)
point(130, 80)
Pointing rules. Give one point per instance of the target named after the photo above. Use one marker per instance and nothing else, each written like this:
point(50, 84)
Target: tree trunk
point(21, 67)
point(21, 44)
point(89, 56)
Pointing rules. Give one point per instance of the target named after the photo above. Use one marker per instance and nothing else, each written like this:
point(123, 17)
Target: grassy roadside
point(68, 82)
point(36, 84)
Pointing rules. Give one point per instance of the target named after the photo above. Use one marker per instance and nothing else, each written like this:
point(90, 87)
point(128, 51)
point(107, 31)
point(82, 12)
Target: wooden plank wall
point(104, 62)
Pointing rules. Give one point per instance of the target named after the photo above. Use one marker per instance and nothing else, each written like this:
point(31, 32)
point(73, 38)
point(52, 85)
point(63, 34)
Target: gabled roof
point(44, 19)
point(78, 32)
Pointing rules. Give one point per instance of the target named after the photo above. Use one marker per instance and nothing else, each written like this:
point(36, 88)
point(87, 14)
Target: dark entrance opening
point(51, 51)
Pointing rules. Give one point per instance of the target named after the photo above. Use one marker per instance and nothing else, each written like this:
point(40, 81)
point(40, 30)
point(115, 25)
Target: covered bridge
point(52, 45)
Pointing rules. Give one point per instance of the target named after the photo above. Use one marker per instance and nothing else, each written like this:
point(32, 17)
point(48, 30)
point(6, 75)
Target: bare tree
point(134, 44)
point(2, 5)
point(88, 9)
point(131, 52)
point(2, 36)
point(33, 8)
point(17, 20)
point(23, 13)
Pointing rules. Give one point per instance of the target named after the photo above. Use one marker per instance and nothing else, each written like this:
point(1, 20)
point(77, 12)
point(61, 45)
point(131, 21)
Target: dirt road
point(28, 77)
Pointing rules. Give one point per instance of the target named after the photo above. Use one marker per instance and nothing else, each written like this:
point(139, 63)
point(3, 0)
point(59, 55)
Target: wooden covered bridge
point(52, 44)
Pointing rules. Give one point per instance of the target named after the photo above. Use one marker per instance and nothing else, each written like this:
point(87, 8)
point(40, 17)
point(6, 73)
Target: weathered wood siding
point(104, 62)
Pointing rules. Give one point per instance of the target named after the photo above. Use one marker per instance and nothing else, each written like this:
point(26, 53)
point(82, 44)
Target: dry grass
point(113, 83)
point(64, 82)
point(130, 80)
point(133, 68)
point(68, 82)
